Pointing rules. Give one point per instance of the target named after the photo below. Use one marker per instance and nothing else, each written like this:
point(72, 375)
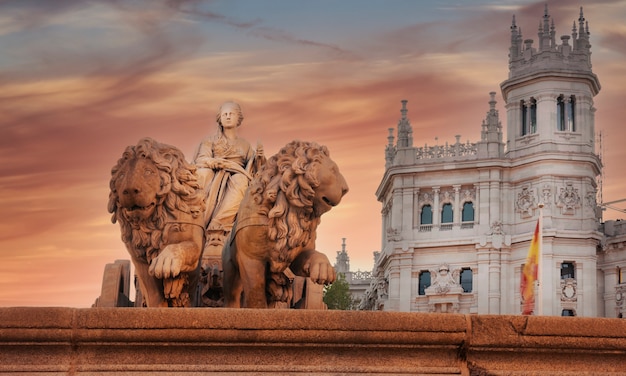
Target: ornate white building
point(457, 219)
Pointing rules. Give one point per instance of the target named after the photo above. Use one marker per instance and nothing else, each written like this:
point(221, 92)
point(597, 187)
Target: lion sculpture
point(273, 238)
point(158, 203)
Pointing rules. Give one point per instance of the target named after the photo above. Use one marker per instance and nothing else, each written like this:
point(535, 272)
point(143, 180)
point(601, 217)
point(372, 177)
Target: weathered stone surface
point(274, 236)
point(226, 341)
point(158, 203)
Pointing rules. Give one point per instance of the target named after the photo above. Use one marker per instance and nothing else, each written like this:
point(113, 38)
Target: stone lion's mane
point(180, 192)
point(284, 189)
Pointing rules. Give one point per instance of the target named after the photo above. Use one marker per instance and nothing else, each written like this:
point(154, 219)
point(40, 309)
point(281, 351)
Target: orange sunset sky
point(81, 80)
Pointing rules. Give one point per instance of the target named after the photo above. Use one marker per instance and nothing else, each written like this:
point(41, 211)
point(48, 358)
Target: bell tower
point(549, 92)
point(553, 163)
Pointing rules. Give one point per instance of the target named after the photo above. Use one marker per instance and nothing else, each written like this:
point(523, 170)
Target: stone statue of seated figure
point(226, 164)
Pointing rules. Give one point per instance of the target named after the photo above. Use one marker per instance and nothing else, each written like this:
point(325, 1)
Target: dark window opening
point(466, 279)
point(426, 216)
point(446, 213)
point(424, 282)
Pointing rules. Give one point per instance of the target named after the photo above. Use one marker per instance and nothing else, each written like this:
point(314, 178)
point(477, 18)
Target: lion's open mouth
point(328, 202)
point(141, 208)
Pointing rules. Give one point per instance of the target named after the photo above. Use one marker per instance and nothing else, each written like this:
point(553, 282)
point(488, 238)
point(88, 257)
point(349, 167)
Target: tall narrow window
point(566, 113)
point(621, 275)
point(568, 270)
point(467, 215)
point(424, 282)
point(560, 114)
point(426, 216)
point(529, 116)
point(446, 213)
point(524, 129)
point(466, 279)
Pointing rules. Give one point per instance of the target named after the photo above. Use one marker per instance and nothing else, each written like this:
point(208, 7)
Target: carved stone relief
point(546, 195)
point(569, 290)
point(526, 202)
point(568, 199)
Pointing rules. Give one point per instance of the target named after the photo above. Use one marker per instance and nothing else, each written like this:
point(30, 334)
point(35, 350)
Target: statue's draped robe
point(224, 188)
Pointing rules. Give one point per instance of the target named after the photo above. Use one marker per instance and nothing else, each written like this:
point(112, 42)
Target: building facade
point(457, 219)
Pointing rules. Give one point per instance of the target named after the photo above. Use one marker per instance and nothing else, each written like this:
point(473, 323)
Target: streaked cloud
point(83, 79)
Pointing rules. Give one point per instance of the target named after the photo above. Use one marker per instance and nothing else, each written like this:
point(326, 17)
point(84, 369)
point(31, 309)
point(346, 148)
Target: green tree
point(337, 295)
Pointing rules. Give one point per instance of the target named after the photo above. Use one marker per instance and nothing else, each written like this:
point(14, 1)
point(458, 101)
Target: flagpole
point(540, 263)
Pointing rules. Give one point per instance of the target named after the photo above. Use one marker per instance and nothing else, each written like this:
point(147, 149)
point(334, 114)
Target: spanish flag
point(529, 273)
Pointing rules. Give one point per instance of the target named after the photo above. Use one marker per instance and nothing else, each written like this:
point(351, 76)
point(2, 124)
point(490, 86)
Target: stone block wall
point(69, 341)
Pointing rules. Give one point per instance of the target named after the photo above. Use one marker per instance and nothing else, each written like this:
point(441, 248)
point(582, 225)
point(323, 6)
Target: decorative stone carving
point(446, 196)
point(274, 236)
point(590, 200)
point(443, 282)
point(427, 198)
point(445, 291)
point(468, 195)
point(569, 290)
point(546, 195)
point(525, 202)
point(568, 199)
point(496, 228)
point(394, 234)
point(158, 203)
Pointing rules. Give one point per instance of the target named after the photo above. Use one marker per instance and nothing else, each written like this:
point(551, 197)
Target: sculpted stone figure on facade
point(158, 202)
point(442, 281)
point(274, 235)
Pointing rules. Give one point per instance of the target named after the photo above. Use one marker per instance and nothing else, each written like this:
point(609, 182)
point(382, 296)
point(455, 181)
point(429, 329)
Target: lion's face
point(332, 187)
point(137, 183)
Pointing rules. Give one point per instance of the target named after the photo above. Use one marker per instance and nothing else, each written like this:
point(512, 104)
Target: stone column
point(406, 265)
point(476, 205)
point(494, 281)
point(394, 285)
point(494, 196)
point(610, 281)
point(436, 208)
point(396, 209)
point(586, 282)
point(416, 208)
point(546, 115)
point(482, 280)
point(456, 220)
point(407, 213)
point(549, 299)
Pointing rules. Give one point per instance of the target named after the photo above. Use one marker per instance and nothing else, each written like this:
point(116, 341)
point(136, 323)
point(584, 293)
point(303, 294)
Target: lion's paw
point(165, 265)
point(172, 287)
point(320, 269)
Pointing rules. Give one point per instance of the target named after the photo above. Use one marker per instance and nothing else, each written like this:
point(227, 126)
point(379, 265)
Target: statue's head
point(229, 112)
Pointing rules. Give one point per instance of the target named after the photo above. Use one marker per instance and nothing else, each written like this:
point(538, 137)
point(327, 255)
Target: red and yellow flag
point(529, 273)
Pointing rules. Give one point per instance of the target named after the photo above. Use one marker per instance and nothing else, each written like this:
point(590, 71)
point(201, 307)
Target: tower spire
point(405, 132)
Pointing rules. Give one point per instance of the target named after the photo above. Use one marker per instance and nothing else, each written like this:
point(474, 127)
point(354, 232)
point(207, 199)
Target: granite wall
point(50, 341)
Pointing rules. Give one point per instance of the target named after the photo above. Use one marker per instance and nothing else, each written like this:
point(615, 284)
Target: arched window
point(426, 216)
point(446, 213)
point(467, 214)
point(424, 282)
point(466, 279)
point(568, 312)
point(565, 113)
